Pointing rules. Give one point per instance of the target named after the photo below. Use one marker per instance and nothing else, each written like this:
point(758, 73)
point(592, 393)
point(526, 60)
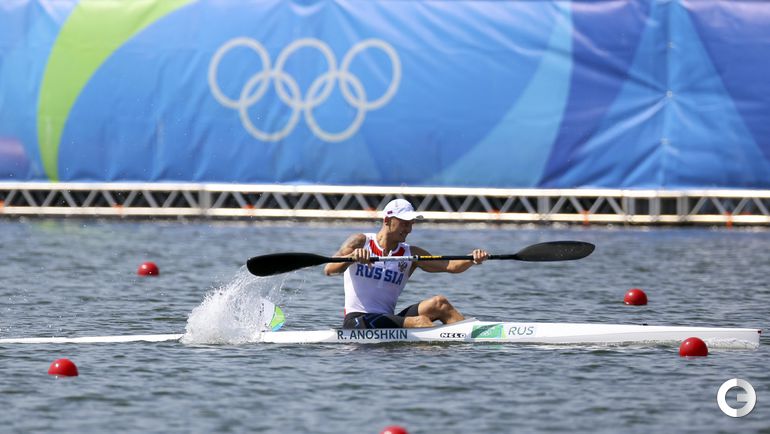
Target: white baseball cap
point(400, 209)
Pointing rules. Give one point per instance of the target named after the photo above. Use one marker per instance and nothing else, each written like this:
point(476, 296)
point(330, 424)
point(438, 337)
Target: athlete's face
point(400, 228)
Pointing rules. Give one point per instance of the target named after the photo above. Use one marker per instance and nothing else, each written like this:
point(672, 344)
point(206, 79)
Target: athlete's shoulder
point(355, 241)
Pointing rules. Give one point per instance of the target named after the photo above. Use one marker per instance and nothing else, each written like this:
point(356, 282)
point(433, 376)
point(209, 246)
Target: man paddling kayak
point(372, 289)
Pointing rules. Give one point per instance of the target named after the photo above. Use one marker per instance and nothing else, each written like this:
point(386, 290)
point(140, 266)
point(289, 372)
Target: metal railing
point(582, 206)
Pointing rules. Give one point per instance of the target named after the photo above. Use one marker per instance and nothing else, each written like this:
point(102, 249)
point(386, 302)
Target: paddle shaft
point(421, 258)
point(277, 263)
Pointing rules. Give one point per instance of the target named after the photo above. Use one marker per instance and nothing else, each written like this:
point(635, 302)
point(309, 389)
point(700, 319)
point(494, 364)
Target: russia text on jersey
point(378, 273)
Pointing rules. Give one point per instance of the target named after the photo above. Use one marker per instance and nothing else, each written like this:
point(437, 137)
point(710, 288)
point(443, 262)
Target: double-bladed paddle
point(277, 263)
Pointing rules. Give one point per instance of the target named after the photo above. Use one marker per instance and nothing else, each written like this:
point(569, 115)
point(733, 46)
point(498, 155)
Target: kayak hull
point(472, 330)
point(525, 332)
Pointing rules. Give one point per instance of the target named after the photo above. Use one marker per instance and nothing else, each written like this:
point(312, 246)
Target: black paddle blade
point(555, 251)
point(277, 263)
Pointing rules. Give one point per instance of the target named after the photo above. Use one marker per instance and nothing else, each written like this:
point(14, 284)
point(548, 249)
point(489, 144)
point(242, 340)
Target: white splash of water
point(231, 314)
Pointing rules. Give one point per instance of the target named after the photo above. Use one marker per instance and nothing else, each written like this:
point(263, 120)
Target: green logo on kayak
point(489, 331)
point(278, 319)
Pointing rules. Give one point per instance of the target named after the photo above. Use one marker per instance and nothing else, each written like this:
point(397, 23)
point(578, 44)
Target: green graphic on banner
point(94, 30)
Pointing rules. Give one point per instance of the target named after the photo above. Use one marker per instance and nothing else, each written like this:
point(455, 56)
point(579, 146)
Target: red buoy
point(693, 347)
point(63, 368)
point(148, 269)
point(394, 429)
point(635, 297)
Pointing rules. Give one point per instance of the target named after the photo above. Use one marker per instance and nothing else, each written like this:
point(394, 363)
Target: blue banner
point(615, 94)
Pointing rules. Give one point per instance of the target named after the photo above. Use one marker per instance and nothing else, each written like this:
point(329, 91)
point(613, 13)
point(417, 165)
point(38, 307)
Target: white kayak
point(472, 330)
point(93, 339)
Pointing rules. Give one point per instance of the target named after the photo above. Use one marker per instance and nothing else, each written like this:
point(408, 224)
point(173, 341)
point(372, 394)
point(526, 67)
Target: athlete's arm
point(353, 247)
point(453, 266)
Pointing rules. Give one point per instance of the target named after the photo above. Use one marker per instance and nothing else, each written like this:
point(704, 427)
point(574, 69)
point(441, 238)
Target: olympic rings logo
point(318, 92)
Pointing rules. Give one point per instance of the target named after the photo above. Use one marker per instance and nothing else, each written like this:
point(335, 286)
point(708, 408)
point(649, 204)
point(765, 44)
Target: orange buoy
point(148, 269)
point(394, 429)
point(63, 368)
point(635, 297)
point(693, 347)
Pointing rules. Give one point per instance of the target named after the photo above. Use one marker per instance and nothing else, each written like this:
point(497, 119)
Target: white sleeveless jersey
point(376, 289)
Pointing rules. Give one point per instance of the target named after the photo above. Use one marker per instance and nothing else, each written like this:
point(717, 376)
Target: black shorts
point(360, 320)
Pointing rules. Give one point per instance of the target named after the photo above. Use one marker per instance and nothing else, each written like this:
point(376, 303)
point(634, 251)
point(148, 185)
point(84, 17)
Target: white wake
point(233, 313)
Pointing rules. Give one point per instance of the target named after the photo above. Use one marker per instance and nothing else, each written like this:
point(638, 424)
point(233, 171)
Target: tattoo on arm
point(353, 242)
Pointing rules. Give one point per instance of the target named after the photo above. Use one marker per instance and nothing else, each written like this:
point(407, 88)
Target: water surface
point(77, 278)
